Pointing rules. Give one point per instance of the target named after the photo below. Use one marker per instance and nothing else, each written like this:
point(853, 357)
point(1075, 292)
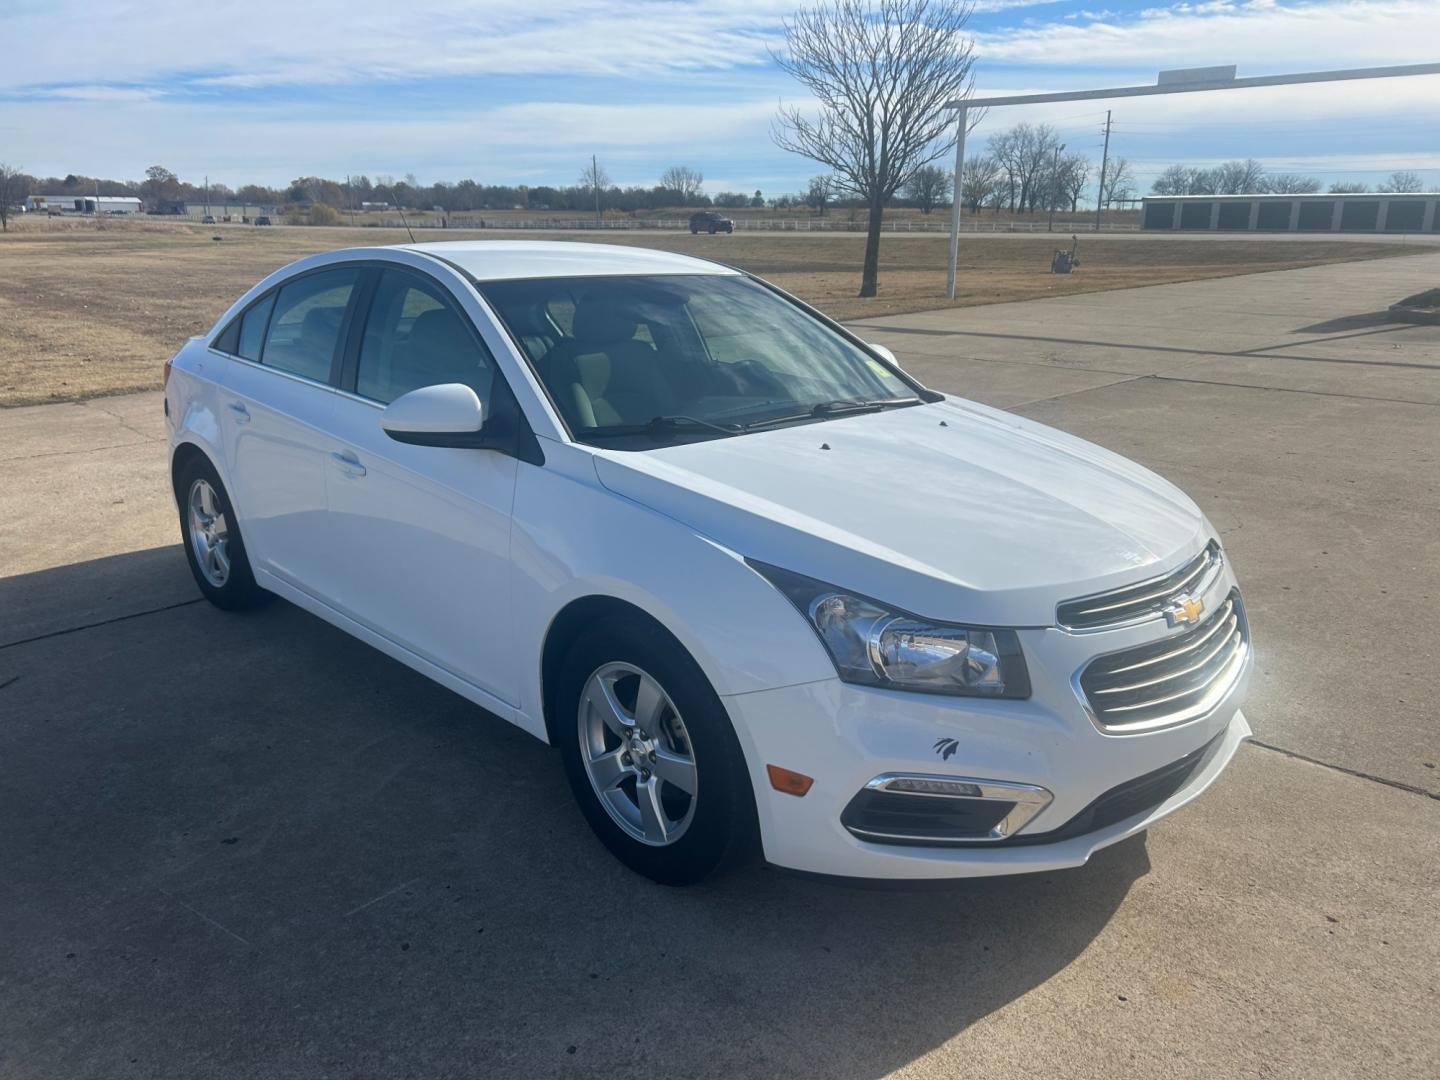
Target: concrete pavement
point(251, 846)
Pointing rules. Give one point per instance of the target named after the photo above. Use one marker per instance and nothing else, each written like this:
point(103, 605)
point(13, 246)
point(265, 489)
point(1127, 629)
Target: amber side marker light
point(791, 783)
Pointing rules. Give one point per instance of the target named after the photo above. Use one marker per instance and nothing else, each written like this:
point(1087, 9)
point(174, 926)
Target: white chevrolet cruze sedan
point(762, 589)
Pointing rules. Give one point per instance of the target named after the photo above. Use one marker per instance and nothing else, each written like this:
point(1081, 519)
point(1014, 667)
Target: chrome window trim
point(1206, 582)
point(1029, 800)
point(329, 388)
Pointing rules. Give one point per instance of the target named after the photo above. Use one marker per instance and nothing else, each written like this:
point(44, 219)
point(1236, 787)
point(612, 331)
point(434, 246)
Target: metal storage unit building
point(1362, 212)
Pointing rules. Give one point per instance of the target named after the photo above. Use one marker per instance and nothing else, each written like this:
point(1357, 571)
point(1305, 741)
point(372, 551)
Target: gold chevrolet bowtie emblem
point(1184, 609)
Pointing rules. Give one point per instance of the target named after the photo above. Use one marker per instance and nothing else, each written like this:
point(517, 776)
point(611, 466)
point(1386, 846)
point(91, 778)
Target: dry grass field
point(86, 311)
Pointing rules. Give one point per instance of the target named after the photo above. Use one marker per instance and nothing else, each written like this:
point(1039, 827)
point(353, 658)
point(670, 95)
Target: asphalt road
point(249, 846)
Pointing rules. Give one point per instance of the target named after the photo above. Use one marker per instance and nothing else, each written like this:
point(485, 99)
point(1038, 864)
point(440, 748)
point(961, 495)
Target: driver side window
point(414, 337)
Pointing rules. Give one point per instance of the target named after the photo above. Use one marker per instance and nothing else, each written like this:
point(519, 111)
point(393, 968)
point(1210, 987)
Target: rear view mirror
point(448, 414)
point(883, 351)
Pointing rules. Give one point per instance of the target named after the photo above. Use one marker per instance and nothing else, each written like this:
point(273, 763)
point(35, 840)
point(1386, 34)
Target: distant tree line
point(1249, 177)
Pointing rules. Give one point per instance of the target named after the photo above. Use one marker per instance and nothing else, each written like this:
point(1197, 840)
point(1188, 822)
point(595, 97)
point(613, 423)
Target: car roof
point(498, 260)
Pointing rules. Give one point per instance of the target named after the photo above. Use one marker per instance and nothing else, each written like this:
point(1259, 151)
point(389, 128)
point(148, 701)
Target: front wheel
point(651, 756)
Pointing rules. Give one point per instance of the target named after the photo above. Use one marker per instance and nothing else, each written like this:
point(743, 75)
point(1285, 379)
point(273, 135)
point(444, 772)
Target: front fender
point(574, 539)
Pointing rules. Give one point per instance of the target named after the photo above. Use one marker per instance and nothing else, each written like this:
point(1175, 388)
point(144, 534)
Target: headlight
point(879, 646)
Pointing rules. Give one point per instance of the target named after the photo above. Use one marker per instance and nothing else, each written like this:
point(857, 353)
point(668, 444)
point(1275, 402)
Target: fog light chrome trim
point(1029, 800)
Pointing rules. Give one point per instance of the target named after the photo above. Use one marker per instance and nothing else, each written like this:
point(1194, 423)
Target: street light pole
point(1054, 186)
point(962, 121)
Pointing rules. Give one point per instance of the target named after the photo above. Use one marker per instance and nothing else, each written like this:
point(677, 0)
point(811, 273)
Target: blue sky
point(513, 93)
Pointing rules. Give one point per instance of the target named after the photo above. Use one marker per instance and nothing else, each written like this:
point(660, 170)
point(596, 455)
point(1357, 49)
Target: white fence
point(901, 225)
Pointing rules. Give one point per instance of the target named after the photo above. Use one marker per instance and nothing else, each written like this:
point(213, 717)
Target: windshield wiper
point(657, 427)
point(853, 405)
point(824, 410)
point(680, 422)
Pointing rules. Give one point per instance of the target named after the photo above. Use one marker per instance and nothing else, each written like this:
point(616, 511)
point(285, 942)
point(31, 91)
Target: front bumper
point(845, 736)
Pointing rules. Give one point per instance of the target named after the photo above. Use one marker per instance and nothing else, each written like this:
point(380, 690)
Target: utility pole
point(207, 194)
point(1054, 185)
point(1104, 163)
point(595, 183)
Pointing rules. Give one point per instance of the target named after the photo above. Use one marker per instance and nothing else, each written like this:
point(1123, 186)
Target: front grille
point(1140, 601)
point(1171, 680)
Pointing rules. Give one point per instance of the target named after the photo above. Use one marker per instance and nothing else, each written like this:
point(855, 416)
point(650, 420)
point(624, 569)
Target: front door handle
point(348, 463)
point(241, 413)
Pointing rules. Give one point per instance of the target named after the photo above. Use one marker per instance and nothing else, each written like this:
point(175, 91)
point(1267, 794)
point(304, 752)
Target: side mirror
point(449, 414)
point(883, 351)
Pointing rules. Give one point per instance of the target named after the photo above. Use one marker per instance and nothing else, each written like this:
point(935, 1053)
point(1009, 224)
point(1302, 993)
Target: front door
point(419, 536)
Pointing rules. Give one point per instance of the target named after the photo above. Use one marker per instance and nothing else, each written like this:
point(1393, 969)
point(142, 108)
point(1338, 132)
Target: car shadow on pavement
point(251, 845)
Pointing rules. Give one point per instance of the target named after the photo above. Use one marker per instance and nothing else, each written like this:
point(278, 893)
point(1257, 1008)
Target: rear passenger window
point(414, 338)
point(252, 327)
point(305, 327)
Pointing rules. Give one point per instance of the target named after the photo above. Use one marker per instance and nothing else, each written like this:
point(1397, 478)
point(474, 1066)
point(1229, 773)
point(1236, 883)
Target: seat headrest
point(321, 324)
point(600, 320)
point(439, 332)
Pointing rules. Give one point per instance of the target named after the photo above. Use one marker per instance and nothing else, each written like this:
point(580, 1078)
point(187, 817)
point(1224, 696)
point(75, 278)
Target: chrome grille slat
point(1168, 699)
point(1164, 593)
point(1172, 676)
point(1170, 680)
point(1230, 621)
point(1142, 600)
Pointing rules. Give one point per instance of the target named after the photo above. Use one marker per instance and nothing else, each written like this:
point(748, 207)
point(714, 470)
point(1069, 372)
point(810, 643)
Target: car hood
point(951, 510)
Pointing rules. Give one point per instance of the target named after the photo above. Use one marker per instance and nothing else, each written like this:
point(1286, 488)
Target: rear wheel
point(651, 756)
point(213, 544)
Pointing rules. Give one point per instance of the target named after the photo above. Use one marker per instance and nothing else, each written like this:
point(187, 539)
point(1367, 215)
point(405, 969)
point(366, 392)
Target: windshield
point(636, 361)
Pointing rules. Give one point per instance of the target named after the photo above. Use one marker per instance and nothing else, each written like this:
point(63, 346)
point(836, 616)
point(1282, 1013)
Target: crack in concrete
point(1357, 773)
point(102, 622)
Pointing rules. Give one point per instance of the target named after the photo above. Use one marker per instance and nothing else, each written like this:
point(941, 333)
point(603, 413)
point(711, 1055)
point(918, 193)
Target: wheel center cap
point(639, 747)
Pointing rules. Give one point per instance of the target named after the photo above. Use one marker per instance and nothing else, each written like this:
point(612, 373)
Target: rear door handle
point(242, 414)
point(348, 463)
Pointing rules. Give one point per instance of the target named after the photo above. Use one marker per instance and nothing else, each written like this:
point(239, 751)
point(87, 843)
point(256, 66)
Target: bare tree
point(1348, 187)
point(1403, 182)
point(1291, 184)
point(928, 187)
point(820, 192)
point(1025, 154)
point(1074, 175)
point(13, 185)
point(881, 71)
point(594, 181)
point(683, 180)
point(1239, 177)
point(1119, 180)
point(981, 182)
point(1183, 180)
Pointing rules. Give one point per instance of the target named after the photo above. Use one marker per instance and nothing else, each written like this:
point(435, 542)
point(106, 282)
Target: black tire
point(694, 232)
point(723, 832)
point(712, 230)
point(238, 590)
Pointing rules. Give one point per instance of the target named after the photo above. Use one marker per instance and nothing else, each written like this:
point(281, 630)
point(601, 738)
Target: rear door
point(276, 401)
point(419, 536)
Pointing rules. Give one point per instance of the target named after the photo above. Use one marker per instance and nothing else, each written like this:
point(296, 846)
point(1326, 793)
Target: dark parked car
point(208, 219)
point(711, 222)
point(262, 220)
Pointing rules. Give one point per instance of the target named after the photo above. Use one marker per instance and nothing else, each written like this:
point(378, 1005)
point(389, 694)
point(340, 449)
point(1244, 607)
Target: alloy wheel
point(209, 533)
point(637, 753)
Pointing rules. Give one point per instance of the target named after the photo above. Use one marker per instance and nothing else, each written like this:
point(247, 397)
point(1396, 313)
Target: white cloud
point(279, 42)
point(531, 142)
point(1263, 37)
